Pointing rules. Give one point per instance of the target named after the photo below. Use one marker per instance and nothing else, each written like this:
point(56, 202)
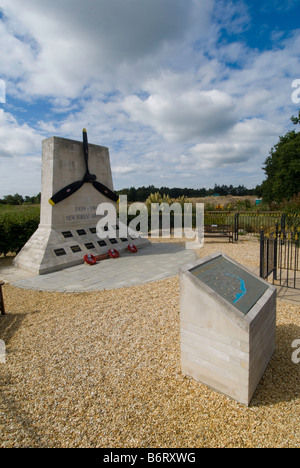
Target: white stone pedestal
point(67, 231)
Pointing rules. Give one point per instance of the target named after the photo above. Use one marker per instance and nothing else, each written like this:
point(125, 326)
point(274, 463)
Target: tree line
point(141, 194)
point(18, 199)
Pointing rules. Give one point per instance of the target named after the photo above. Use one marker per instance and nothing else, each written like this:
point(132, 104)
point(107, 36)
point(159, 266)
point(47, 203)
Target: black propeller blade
point(88, 178)
point(105, 191)
point(66, 192)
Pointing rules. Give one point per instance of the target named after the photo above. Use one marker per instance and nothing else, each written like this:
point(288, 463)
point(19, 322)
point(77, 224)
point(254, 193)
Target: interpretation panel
point(228, 325)
point(239, 288)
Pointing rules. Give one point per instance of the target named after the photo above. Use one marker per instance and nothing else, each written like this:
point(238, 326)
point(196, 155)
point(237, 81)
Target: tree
point(132, 197)
point(13, 199)
point(282, 168)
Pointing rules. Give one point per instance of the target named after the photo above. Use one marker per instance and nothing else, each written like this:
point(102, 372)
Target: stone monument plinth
point(67, 230)
point(228, 322)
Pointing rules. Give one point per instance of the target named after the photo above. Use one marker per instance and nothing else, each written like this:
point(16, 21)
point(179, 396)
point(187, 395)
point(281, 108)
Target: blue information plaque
point(235, 285)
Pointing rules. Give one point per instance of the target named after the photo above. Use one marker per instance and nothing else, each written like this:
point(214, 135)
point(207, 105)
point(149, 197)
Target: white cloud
point(20, 160)
point(95, 40)
point(15, 139)
point(232, 16)
point(2, 91)
point(20, 176)
point(16, 55)
point(186, 115)
point(244, 143)
point(162, 83)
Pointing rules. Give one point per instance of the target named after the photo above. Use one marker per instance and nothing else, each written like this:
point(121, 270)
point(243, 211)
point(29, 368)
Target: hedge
point(16, 228)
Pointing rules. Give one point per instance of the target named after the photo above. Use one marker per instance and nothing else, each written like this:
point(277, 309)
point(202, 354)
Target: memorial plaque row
point(89, 246)
point(82, 232)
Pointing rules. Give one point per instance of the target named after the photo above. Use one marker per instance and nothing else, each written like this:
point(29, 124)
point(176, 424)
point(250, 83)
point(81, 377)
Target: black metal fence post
point(262, 254)
point(2, 308)
point(236, 226)
point(275, 252)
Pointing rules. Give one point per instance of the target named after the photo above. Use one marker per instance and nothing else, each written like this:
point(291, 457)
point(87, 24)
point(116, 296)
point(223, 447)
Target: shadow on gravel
point(281, 381)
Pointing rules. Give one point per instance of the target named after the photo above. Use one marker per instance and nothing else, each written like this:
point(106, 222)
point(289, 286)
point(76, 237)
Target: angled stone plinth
point(228, 322)
point(68, 230)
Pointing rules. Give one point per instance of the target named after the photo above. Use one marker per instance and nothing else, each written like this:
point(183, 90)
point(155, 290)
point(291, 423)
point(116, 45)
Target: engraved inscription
point(102, 243)
point(67, 234)
point(90, 246)
point(75, 248)
point(82, 213)
point(60, 252)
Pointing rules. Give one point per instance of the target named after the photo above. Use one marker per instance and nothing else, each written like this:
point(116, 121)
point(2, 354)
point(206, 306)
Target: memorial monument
point(228, 323)
point(76, 179)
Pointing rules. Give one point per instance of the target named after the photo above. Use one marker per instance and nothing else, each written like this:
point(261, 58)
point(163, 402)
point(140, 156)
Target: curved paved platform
point(153, 263)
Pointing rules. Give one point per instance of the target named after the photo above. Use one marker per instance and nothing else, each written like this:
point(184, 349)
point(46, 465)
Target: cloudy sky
point(184, 93)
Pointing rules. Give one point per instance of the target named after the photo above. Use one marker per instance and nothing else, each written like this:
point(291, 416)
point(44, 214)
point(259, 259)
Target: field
point(225, 201)
point(17, 224)
point(21, 210)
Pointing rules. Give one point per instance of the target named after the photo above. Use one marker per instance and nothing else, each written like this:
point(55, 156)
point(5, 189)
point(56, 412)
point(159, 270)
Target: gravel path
point(102, 369)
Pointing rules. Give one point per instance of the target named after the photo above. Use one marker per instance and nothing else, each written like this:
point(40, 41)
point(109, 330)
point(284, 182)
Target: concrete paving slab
point(156, 262)
point(290, 295)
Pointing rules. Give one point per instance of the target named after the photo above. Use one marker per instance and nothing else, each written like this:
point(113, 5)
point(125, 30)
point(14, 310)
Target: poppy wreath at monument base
point(92, 259)
point(113, 253)
point(132, 248)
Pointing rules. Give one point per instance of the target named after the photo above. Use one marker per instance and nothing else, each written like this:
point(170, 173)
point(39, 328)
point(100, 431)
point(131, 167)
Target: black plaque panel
point(75, 248)
point(60, 252)
point(67, 234)
point(239, 288)
point(113, 241)
point(81, 232)
point(124, 239)
point(102, 243)
point(90, 246)
point(93, 230)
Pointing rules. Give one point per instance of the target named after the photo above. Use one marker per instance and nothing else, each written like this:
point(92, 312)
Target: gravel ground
point(102, 369)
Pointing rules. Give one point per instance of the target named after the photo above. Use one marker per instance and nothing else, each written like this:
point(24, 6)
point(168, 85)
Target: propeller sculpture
point(88, 178)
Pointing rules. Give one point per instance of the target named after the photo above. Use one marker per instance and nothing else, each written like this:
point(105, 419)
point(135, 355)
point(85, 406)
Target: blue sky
point(184, 93)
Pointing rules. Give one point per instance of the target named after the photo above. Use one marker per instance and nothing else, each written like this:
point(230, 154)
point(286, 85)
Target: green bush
point(16, 227)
